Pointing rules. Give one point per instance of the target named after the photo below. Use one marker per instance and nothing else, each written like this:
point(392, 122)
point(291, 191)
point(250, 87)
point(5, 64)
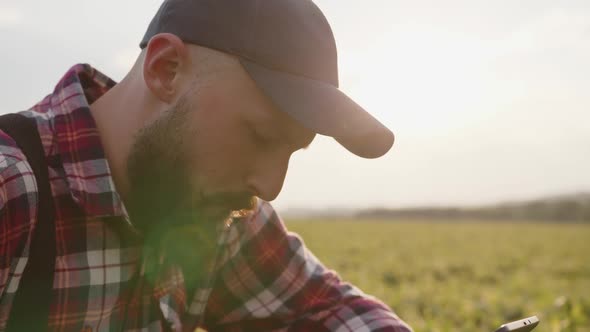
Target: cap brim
point(324, 109)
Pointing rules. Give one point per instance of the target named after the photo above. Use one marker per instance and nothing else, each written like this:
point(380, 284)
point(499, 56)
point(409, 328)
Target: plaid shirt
point(261, 279)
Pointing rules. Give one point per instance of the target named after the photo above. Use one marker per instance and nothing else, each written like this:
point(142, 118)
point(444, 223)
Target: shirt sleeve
point(18, 206)
point(269, 281)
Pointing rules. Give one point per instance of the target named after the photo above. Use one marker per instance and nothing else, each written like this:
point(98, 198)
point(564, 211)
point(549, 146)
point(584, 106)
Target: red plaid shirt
point(263, 277)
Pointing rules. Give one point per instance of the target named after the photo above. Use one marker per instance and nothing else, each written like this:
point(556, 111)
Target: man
point(144, 174)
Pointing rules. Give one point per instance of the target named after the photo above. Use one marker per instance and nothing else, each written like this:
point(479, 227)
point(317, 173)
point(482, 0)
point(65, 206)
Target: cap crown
point(291, 36)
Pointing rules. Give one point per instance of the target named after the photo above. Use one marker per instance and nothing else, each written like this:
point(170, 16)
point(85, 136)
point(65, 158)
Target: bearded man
point(146, 208)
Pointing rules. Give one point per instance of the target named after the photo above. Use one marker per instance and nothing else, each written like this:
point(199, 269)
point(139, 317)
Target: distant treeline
point(572, 208)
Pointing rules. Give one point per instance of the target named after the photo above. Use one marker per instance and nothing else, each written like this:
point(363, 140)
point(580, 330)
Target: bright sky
point(489, 100)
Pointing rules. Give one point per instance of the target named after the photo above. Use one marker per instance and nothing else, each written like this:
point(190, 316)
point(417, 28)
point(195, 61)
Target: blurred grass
point(451, 276)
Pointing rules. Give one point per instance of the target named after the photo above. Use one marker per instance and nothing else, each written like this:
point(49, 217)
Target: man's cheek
point(224, 168)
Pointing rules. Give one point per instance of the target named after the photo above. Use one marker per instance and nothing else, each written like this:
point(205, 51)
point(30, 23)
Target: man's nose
point(267, 179)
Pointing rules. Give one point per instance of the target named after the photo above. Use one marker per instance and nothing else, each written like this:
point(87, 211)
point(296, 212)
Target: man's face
point(221, 143)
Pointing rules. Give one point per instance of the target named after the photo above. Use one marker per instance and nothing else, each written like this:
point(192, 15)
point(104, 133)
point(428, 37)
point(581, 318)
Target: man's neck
point(116, 114)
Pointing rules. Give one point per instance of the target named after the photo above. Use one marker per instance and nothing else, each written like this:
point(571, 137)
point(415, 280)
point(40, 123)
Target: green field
point(445, 276)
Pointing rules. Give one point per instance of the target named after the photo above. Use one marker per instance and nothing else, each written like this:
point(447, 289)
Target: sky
point(489, 100)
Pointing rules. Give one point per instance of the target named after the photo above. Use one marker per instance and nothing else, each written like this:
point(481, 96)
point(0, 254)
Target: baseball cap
point(288, 49)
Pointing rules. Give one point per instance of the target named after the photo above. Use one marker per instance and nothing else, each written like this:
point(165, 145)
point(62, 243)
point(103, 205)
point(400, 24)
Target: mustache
point(232, 200)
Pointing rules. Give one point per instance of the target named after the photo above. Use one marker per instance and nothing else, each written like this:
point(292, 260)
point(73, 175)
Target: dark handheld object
point(523, 325)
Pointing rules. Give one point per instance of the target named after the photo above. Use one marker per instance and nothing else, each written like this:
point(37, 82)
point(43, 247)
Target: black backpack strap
point(30, 307)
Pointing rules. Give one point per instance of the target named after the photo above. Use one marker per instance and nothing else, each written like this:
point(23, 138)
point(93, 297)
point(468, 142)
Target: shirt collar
point(78, 141)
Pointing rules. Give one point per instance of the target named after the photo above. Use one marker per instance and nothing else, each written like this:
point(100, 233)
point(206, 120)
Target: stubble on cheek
point(158, 172)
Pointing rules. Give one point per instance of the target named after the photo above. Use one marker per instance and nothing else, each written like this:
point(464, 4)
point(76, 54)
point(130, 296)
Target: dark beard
point(160, 201)
point(159, 187)
point(162, 204)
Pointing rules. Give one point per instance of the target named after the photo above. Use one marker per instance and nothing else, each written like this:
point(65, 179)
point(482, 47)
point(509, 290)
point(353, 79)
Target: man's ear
point(165, 56)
